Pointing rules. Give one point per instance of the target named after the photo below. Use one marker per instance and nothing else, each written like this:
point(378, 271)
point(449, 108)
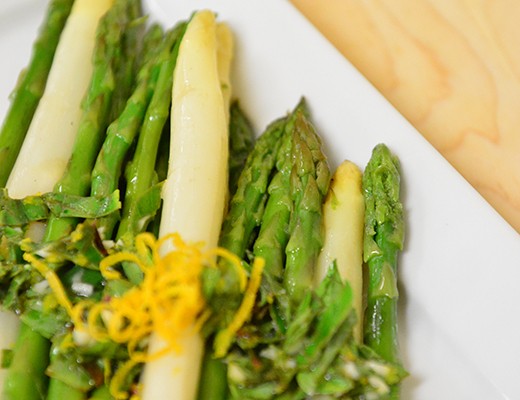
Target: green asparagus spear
point(25, 377)
point(245, 214)
point(121, 132)
point(247, 205)
point(213, 383)
point(96, 109)
point(31, 86)
point(161, 170)
point(310, 179)
point(103, 393)
point(140, 172)
point(213, 379)
point(60, 390)
point(75, 381)
point(126, 67)
point(274, 229)
point(383, 239)
point(241, 142)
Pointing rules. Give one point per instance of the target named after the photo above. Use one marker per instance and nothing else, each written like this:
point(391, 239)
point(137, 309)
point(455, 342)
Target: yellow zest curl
point(224, 337)
point(53, 280)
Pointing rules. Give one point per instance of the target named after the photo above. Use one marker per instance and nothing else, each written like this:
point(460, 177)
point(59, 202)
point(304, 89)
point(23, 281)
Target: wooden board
point(452, 68)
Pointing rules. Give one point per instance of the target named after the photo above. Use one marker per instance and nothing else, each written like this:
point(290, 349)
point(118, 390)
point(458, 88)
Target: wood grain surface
point(452, 68)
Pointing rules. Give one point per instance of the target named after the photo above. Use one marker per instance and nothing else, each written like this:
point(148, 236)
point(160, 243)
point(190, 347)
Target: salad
point(152, 246)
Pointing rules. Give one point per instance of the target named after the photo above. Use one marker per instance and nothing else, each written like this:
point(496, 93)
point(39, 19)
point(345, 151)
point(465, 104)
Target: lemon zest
point(105, 266)
point(168, 301)
point(53, 280)
point(118, 380)
point(225, 336)
point(235, 261)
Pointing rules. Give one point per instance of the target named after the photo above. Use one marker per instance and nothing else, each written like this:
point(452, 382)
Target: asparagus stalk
point(47, 146)
point(250, 172)
point(122, 132)
point(60, 390)
point(310, 179)
point(225, 50)
point(195, 190)
point(213, 378)
point(25, 379)
point(213, 381)
point(53, 129)
point(125, 69)
point(343, 220)
point(274, 229)
point(248, 203)
point(241, 142)
point(103, 393)
point(383, 239)
point(96, 109)
point(31, 86)
point(140, 173)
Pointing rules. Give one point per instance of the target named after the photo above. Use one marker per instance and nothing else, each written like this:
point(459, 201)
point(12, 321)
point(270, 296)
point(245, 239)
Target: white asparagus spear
point(195, 190)
point(343, 216)
point(225, 50)
point(48, 143)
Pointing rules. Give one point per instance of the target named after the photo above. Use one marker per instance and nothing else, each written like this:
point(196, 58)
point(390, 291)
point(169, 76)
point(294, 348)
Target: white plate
point(460, 271)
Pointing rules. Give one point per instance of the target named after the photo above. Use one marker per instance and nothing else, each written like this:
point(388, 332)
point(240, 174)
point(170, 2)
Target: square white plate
point(460, 271)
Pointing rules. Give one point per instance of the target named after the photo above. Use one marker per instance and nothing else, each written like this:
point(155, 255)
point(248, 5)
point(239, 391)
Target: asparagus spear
point(213, 384)
point(31, 86)
point(343, 218)
point(140, 173)
point(103, 393)
point(248, 203)
point(25, 379)
point(125, 69)
point(213, 378)
point(96, 108)
point(121, 132)
point(310, 179)
point(274, 228)
point(241, 142)
point(383, 239)
point(225, 51)
point(50, 138)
